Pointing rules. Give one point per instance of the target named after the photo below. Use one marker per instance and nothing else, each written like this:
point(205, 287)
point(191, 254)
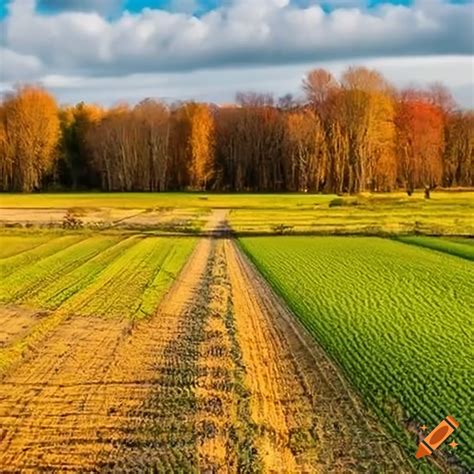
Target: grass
point(463, 248)
point(160, 200)
point(15, 244)
point(395, 317)
point(25, 280)
point(94, 274)
point(134, 282)
point(10, 265)
point(57, 292)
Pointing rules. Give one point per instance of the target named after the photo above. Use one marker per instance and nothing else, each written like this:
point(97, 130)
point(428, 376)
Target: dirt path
point(219, 380)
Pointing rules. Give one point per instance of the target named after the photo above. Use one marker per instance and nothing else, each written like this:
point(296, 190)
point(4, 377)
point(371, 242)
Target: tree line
point(354, 134)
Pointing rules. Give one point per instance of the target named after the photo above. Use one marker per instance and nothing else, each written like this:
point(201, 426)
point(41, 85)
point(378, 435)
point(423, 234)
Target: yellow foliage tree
point(30, 130)
point(201, 142)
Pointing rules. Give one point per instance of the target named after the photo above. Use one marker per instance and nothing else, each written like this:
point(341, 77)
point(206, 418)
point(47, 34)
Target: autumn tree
point(366, 114)
point(458, 159)
point(30, 136)
point(152, 120)
point(201, 142)
point(306, 152)
point(318, 86)
point(420, 142)
point(6, 159)
point(348, 135)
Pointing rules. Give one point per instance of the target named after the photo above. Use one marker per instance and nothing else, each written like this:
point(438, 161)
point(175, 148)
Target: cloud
point(16, 66)
point(238, 34)
point(220, 85)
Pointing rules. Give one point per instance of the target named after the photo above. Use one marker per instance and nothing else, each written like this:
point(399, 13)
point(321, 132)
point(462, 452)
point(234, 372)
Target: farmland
point(446, 213)
point(177, 333)
point(383, 310)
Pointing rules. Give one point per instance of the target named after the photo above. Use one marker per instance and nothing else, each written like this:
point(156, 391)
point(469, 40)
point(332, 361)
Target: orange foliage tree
point(30, 136)
point(306, 152)
point(420, 143)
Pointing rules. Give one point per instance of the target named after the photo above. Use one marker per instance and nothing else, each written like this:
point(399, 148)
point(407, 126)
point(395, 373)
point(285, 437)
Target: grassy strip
point(454, 247)
point(245, 432)
point(132, 284)
point(166, 273)
point(15, 263)
point(13, 245)
point(29, 279)
point(52, 295)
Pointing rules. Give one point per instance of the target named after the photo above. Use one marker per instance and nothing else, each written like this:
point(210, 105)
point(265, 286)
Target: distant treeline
point(349, 135)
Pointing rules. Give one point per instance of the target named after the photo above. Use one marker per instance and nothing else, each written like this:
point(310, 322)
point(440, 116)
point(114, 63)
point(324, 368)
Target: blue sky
point(137, 6)
point(96, 52)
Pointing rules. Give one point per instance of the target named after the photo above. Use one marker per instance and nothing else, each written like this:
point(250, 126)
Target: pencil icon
point(428, 445)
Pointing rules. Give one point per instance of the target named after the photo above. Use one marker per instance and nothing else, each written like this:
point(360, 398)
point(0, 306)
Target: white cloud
point(220, 85)
point(14, 66)
point(244, 35)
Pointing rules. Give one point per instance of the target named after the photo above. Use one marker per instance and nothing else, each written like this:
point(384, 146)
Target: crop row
point(14, 263)
point(460, 247)
point(395, 317)
point(133, 283)
point(52, 295)
point(24, 281)
point(14, 244)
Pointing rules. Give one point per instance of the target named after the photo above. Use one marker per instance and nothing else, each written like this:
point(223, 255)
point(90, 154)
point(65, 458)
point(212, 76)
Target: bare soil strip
point(16, 321)
point(51, 407)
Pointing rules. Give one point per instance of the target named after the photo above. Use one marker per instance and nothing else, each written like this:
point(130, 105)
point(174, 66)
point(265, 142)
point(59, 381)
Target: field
point(446, 213)
point(395, 317)
point(178, 333)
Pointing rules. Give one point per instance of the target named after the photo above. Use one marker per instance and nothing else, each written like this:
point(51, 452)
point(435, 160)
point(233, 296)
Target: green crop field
point(92, 274)
point(396, 318)
point(160, 200)
point(83, 273)
point(383, 283)
point(463, 248)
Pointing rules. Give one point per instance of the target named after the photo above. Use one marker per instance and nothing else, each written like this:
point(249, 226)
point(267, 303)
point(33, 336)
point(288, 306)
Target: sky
point(107, 51)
